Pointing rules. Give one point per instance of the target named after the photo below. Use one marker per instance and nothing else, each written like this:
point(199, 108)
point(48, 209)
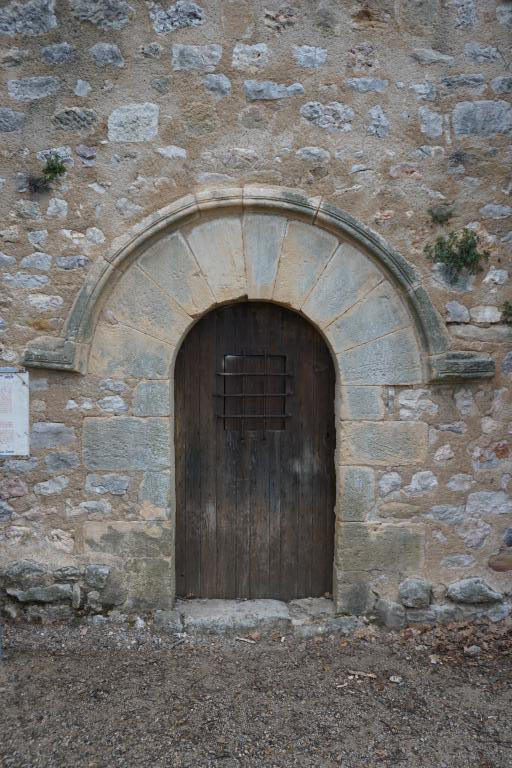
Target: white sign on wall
point(14, 413)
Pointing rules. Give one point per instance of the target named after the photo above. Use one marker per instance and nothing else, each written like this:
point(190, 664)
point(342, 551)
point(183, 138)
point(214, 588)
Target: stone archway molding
point(70, 351)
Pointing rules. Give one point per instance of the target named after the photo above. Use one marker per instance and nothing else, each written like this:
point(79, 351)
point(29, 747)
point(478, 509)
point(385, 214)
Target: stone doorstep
point(306, 617)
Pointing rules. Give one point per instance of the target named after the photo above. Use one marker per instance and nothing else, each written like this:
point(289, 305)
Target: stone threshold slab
point(306, 617)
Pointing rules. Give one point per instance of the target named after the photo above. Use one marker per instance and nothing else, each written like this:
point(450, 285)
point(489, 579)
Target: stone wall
point(384, 110)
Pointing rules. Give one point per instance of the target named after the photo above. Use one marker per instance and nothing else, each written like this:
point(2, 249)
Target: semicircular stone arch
point(274, 245)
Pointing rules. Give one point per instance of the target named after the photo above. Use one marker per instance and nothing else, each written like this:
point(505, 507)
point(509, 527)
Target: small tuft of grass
point(458, 252)
point(53, 169)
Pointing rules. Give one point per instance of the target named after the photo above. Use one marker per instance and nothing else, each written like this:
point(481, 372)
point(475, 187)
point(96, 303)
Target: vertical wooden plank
point(226, 473)
point(192, 471)
point(180, 463)
point(206, 369)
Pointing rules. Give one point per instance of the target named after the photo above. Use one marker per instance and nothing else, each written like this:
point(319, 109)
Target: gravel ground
point(106, 696)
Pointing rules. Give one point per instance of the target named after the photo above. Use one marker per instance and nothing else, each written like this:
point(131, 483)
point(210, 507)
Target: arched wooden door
point(254, 440)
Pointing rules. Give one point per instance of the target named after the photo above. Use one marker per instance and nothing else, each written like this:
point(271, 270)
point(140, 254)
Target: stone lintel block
point(150, 582)
point(361, 403)
point(137, 302)
point(333, 218)
point(263, 237)
point(461, 365)
point(171, 264)
point(126, 443)
point(384, 443)
point(135, 539)
point(184, 209)
point(120, 351)
point(217, 245)
point(349, 275)
point(379, 313)
point(282, 198)
point(56, 352)
point(81, 321)
point(392, 359)
point(436, 336)
point(390, 548)
point(357, 493)
point(220, 197)
point(306, 251)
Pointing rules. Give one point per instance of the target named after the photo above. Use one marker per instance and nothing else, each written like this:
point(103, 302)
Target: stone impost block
point(362, 403)
point(306, 251)
point(126, 443)
point(121, 351)
point(171, 264)
point(263, 238)
point(128, 539)
point(380, 313)
point(137, 302)
point(384, 443)
point(349, 275)
point(392, 359)
point(382, 547)
point(357, 493)
point(218, 247)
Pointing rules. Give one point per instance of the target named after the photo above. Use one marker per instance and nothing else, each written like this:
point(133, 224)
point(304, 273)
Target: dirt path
point(102, 697)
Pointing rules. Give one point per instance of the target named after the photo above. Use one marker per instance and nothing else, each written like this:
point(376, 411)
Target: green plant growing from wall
point(506, 312)
point(440, 214)
point(457, 252)
point(53, 169)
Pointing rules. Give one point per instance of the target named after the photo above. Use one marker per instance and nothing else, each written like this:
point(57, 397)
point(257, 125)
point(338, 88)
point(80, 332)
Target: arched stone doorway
point(254, 447)
point(268, 244)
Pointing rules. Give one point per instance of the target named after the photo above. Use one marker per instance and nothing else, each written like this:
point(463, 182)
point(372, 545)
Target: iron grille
point(254, 388)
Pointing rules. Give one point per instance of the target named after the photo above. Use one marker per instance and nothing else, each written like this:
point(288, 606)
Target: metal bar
point(253, 416)
point(248, 373)
point(266, 394)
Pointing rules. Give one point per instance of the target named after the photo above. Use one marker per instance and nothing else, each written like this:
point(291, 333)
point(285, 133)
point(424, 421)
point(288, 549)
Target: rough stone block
point(10, 120)
point(472, 591)
point(349, 275)
point(380, 313)
point(482, 118)
point(48, 434)
point(126, 443)
point(138, 303)
point(353, 595)
point(152, 398)
point(203, 58)
point(150, 583)
point(156, 489)
point(415, 593)
point(128, 539)
point(117, 485)
point(263, 238)
point(121, 351)
point(384, 443)
point(171, 264)
point(52, 594)
point(33, 88)
point(389, 614)
point(134, 122)
point(362, 403)
point(357, 493)
point(393, 359)
point(218, 247)
point(391, 548)
point(306, 250)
